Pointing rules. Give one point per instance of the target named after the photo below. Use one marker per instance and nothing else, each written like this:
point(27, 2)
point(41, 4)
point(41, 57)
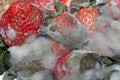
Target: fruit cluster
point(26, 20)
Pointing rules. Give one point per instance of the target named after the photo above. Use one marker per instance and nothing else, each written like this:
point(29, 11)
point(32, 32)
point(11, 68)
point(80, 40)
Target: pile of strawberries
point(25, 18)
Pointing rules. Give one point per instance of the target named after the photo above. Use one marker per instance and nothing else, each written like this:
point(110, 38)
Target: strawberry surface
point(65, 23)
point(21, 21)
point(61, 68)
point(87, 16)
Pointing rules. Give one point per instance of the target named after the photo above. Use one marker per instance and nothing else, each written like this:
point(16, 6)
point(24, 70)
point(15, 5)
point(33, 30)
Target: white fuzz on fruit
point(18, 53)
point(38, 76)
point(11, 33)
point(36, 54)
point(106, 40)
point(115, 76)
point(48, 61)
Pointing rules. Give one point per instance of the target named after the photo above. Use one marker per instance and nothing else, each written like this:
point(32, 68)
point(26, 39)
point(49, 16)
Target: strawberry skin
point(21, 21)
point(87, 16)
point(61, 68)
point(65, 23)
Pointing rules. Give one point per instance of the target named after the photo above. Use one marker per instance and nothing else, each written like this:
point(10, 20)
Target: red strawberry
point(61, 68)
point(58, 49)
point(87, 16)
point(21, 21)
point(65, 23)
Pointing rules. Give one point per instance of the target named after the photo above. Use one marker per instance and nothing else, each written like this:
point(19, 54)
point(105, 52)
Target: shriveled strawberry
point(65, 23)
point(87, 16)
point(58, 49)
point(114, 7)
point(61, 68)
point(21, 21)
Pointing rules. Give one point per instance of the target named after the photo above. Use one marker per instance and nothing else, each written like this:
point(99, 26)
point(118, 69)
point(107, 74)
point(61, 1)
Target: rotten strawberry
point(20, 22)
point(61, 68)
point(67, 67)
point(65, 23)
point(66, 30)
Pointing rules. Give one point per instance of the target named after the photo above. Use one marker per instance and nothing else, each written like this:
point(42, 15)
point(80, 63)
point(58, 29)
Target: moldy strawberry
point(21, 21)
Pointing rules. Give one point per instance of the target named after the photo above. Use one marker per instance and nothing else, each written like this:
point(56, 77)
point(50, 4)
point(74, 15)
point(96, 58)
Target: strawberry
point(65, 23)
point(87, 16)
point(61, 68)
point(114, 7)
point(66, 30)
point(21, 21)
point(58, 49)
point(67, 67)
